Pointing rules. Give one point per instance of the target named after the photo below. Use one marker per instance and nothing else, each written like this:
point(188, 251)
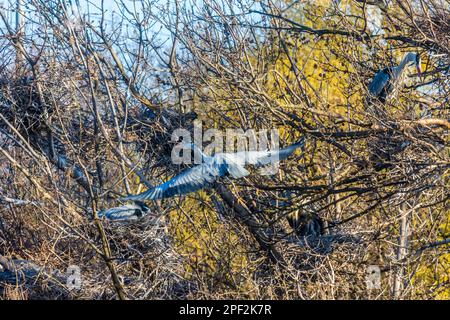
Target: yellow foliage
point(436, 274)
point(208, 244)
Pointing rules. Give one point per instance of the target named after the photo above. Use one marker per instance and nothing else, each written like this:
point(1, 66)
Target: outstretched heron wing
point(237, 171)
point(188, 181)
point(261, 158)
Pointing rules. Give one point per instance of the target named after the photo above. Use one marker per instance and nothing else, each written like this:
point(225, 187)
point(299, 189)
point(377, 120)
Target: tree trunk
point(20, 33)
point(254, 227)
point(402, 249)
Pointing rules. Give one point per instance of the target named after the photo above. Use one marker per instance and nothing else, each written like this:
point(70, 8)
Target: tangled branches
point(87, 113)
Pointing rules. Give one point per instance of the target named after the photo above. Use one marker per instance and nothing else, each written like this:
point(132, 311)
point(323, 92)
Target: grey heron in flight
point(385, 80)
point(129, 212)
point(211, 168)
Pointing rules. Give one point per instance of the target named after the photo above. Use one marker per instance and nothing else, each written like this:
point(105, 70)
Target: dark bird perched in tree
point(129, 212)
point(306, 224)
point(385, 80)
point(304, 221)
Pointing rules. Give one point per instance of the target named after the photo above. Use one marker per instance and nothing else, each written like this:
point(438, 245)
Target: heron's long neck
point(399, 69)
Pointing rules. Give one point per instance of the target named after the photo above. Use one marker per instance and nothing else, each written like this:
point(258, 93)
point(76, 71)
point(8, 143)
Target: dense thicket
point(90, 94)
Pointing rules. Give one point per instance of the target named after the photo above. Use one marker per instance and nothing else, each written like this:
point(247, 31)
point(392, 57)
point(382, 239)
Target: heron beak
point(419, 69)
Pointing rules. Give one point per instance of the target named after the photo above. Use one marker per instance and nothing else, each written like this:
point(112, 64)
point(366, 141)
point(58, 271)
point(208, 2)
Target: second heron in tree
point(304, 220)
point(385, 80)
point(129, 212)
point(306, 224)
point(219, 165)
